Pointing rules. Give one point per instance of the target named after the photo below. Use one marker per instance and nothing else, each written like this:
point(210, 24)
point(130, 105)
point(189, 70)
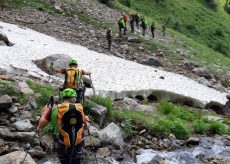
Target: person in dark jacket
point(132, 21)
point(152, 28)
point(109, 37)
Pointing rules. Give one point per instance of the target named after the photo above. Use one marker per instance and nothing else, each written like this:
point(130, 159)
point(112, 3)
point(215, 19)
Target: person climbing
point(132, 21)
point(226, 109)
point(143, 25)
point(68, 121)
point(137, 18)
point(121, 25)
point(163, 28)
point(152, 28)
point(73, 78)
point(109, 37)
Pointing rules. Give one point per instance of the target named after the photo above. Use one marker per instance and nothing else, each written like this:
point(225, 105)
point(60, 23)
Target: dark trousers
point(132, 27)
point(120, 28)
point(109, 43)
point(70, 155)
point(152, 31)
point(137, 24)
point(144, 29)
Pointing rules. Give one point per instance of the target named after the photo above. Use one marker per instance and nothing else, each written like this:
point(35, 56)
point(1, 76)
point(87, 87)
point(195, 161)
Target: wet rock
point(37, 152)
point(12, 109)
point(23, 125)
point(103, 152)
point(193, 141)
point(25, 88)
point(98, 112)
point(112, 135)
point(151, 61)
point(92, 141)
point(16, 158)
point(5, 101)
point(202, 72)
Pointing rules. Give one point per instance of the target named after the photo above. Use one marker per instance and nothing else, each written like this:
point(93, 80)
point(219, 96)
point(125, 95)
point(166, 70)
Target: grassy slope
point(195, 23)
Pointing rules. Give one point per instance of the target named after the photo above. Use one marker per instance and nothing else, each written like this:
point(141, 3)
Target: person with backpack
point(132, 21)
point(152, 28)
point(68, 121)
point(73, 78)
point(121, 25)
point(125, 20)
point(143, 25)
point(109, 37)
point(137, 18)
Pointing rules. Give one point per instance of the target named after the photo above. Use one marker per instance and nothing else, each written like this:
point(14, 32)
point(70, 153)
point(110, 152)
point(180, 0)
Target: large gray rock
point(94, 131)
point(5, 101)
point(23, 125)
point(112, 135)
point(13, 109)
point(98, 112)
point(25, 88)
point(16, 158)
point(130, 102)
point(202, 72)
point(133, 39)
point(47, 142)
point(37, 152)
point(151, 61)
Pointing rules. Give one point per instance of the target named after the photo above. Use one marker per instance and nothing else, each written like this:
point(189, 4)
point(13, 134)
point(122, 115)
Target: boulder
point(133, 39)
point(94, 131)
point(37, 152)
point(92, 141)
point(8, 87)
point(16, 158)
point(6, 77)
point(12, 109)
point(47, 142)
point(203, 72)
point(130, 102)
point(25, 88)
point(98, 112)
point(112, 135)
point(23, 125)
point(5, 101)
point(151, 61)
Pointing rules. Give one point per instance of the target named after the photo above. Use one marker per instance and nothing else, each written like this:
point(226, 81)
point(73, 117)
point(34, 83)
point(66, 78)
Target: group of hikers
point(135, 21)
point(67, 116)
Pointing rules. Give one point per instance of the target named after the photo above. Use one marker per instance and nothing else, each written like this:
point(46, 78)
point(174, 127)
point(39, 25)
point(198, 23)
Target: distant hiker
point(137, 19)
point(73, 78)
point(163, 28)
point(121, 25)
point(143, 25)
point(125, 20)
point(132, 21)
point(226, 109)
point(68, 121)
point(152, 28)
point(109, 37)
point(4, 38)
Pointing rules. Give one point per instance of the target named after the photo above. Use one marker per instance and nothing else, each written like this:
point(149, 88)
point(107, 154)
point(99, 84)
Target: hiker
point(73, 78)
point(68, 121)
point(143, 25)
point(226, 108)
point(137, 18)
point(125, 20)
point(132, 21)
point(163, 28)
point(152, 28)
point(121, 25)
point(109, 37)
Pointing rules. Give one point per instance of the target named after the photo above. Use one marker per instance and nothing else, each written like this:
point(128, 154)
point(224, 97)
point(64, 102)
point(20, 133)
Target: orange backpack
point(72, 78)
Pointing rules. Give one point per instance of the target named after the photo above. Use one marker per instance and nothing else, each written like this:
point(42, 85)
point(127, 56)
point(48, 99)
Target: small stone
point(103, 152)
point(13, 109)
point(23, 125)
point(5, 101)
point(161, 77)
point(193, 141)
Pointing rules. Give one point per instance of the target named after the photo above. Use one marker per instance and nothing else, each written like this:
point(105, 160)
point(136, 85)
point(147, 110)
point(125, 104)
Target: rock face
point(202, 72)
point(16, 158)
point(5, 102)
point(112, 135)
point(25, 88)
point(23, 125)
point(98, 112)
point(89, 142)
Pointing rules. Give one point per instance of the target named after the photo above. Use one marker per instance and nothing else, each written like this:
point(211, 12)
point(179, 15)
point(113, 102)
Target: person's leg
point(62, 154)
point(76, 155)
point(110, 43)
point(120, 31)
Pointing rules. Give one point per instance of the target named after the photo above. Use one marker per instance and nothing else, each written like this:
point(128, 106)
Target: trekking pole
point(29, 145)
point(92, 85)
point(92, 146)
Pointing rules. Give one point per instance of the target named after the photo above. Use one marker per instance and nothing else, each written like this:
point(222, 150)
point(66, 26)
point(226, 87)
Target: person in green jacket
point(143, 25)
point(121, 25)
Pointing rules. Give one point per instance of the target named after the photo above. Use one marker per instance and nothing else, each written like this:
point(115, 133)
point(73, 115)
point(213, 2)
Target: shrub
point(166, 107)
point(107, 2)
point(212, 3)
point(125, 2)
point(216, 127)
point(106, 102)
point(126, 126)
point(200, 127)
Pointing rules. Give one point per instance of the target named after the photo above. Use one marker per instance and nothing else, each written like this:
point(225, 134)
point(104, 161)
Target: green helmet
point(72, 62)
point(69, 93)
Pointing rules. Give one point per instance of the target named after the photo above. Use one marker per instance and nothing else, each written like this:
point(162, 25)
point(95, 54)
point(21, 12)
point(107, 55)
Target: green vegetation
point(106, 102)
point(200, 127)
point(39, 4)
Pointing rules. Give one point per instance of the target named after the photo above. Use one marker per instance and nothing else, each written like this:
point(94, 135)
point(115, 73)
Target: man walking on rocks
point(121, 25)
point(109, 37)
point(163, 28)
point(143, 25)
point(152, 28)
point(137, 18)
point(68, 120)
point(132, 21)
